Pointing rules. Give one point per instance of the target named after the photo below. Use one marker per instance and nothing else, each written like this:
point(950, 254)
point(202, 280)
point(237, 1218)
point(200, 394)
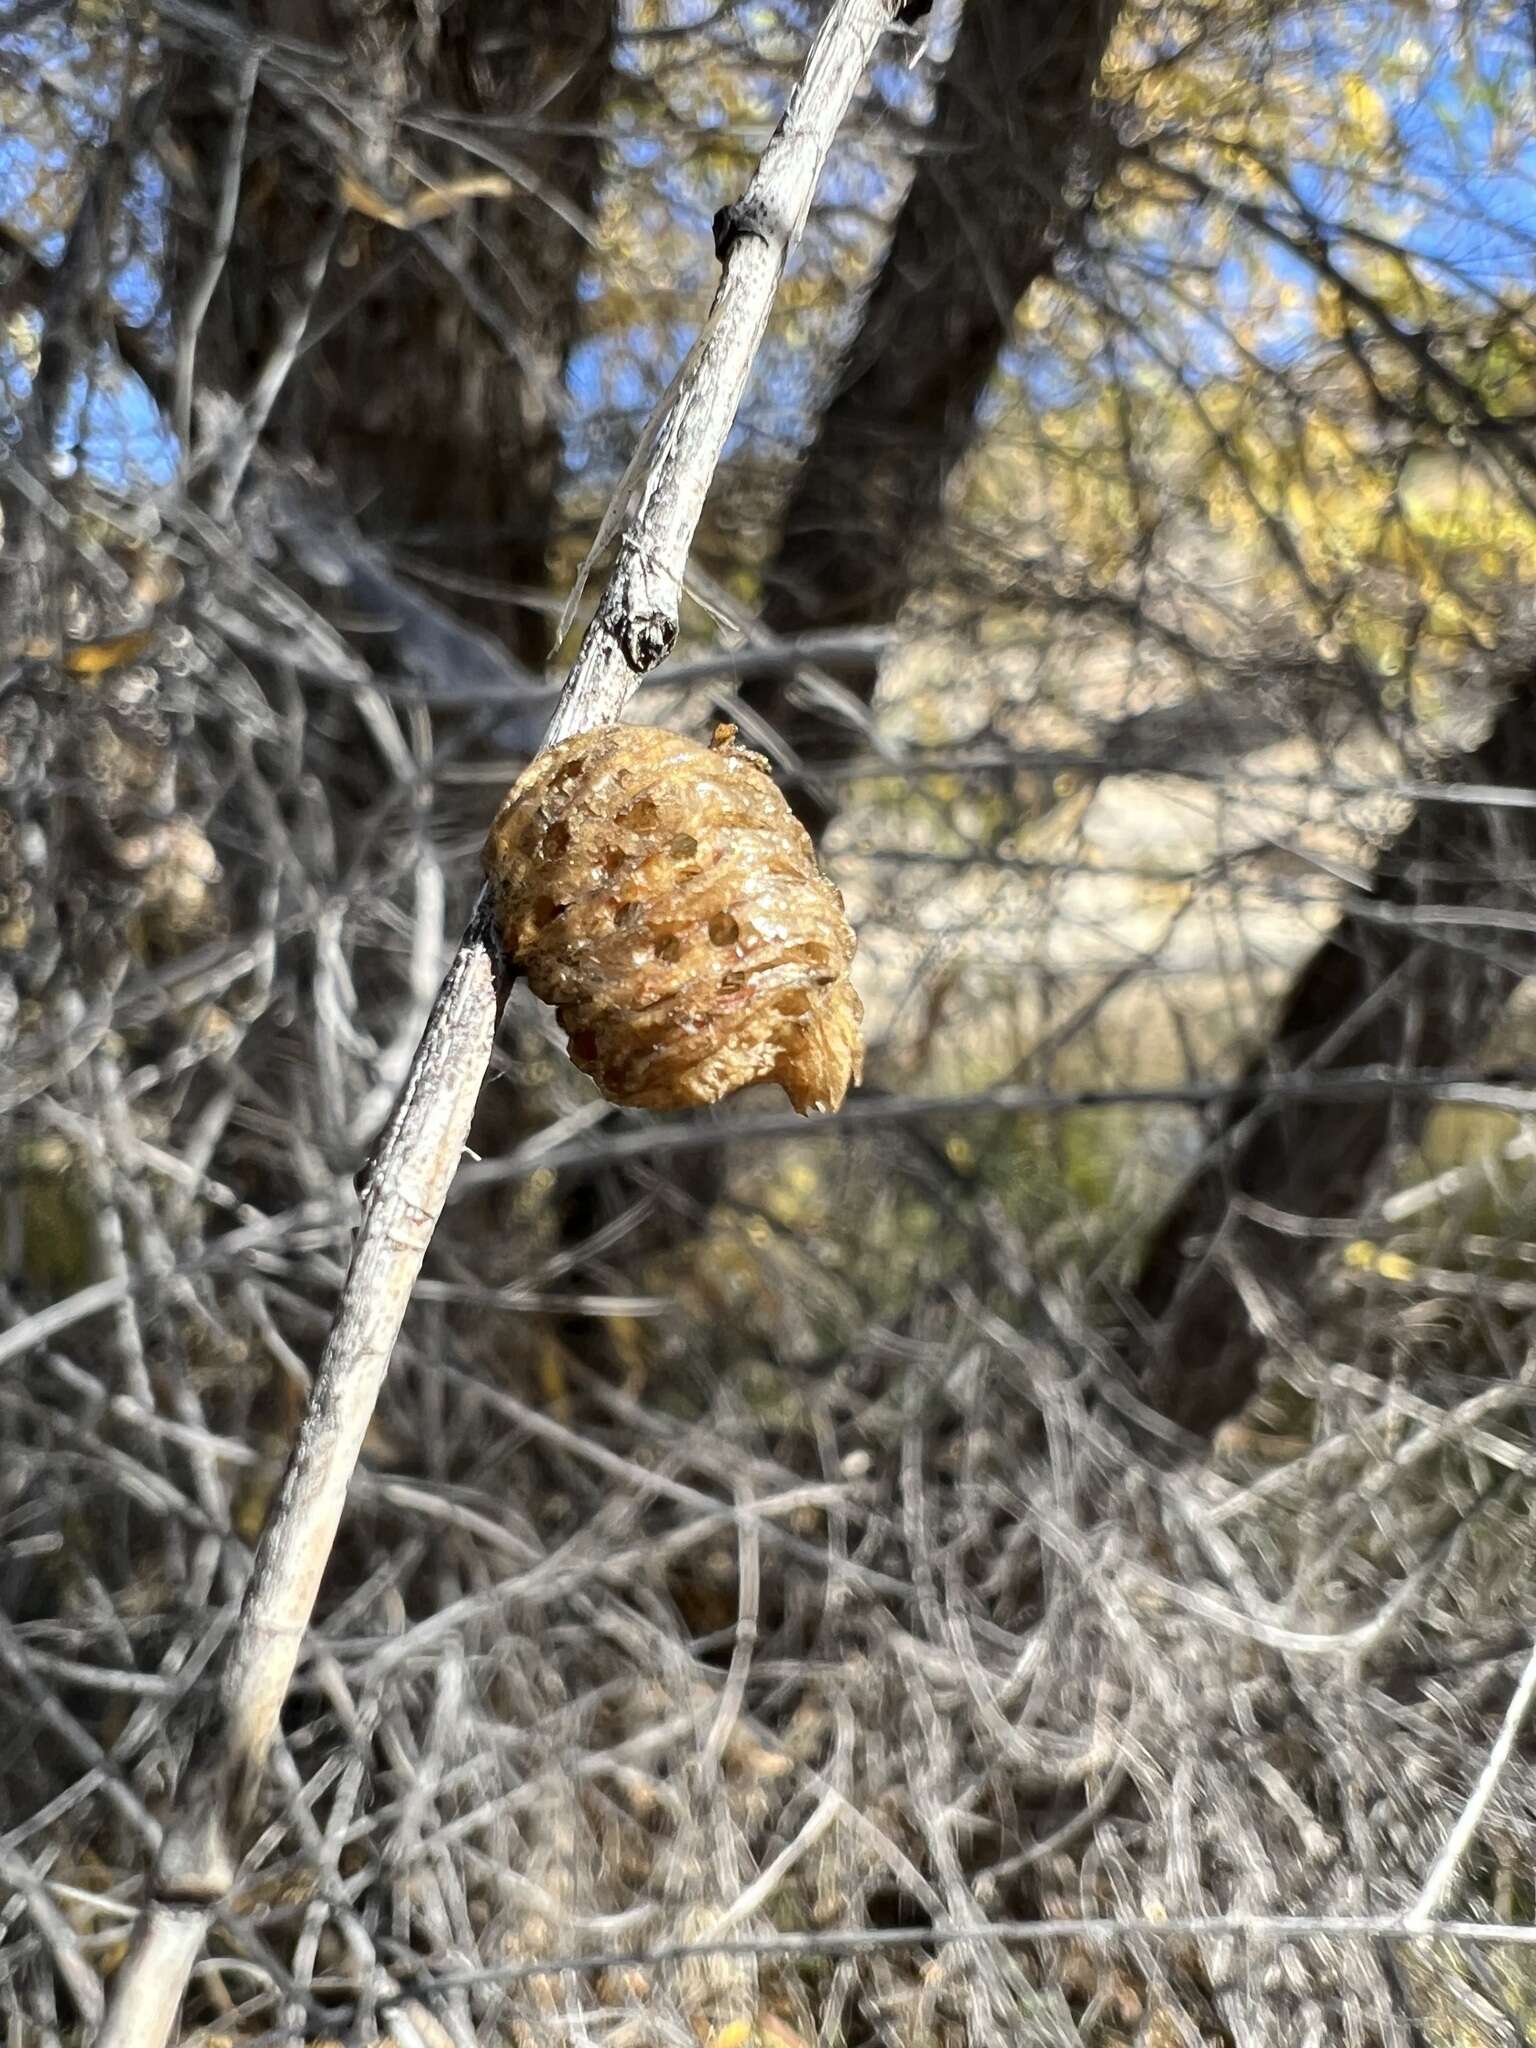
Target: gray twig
point(218, 254)
point(417, 1156)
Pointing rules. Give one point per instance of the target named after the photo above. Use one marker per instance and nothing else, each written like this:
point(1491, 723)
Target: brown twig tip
point(665, 899)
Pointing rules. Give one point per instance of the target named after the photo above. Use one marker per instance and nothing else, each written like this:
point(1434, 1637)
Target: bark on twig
point(635, 625)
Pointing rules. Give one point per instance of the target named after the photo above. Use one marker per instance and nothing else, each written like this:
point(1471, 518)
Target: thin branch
point(637, 617)
point(44, 1324)
point(1424, 1908)
point(634, 628)
point(650, 1140)
point(274, 374)
point(1110, 1932)
point(55, 1931)
point(223, 235)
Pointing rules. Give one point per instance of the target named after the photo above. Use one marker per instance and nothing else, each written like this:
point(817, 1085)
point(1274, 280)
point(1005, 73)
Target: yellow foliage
point(96, 657)
point(1367, 110)
point(1364, 1257)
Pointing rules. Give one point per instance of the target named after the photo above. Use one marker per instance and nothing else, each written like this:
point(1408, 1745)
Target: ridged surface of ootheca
point(665, 899)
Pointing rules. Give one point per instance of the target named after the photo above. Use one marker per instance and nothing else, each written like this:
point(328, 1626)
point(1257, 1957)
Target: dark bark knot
point(646, 638)
point(746, 216)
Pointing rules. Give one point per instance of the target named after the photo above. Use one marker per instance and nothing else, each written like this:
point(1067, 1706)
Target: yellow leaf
point(95, 657)
point(1331, 320)
point(1367, 110)
point(427, 202)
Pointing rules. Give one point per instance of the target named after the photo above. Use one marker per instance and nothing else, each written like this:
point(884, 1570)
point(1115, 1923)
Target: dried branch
point(635, 626)
point(1447, 1864)
point(218, 255)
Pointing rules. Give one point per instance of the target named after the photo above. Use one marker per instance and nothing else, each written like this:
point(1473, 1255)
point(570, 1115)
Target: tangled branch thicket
point(788, 1595)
